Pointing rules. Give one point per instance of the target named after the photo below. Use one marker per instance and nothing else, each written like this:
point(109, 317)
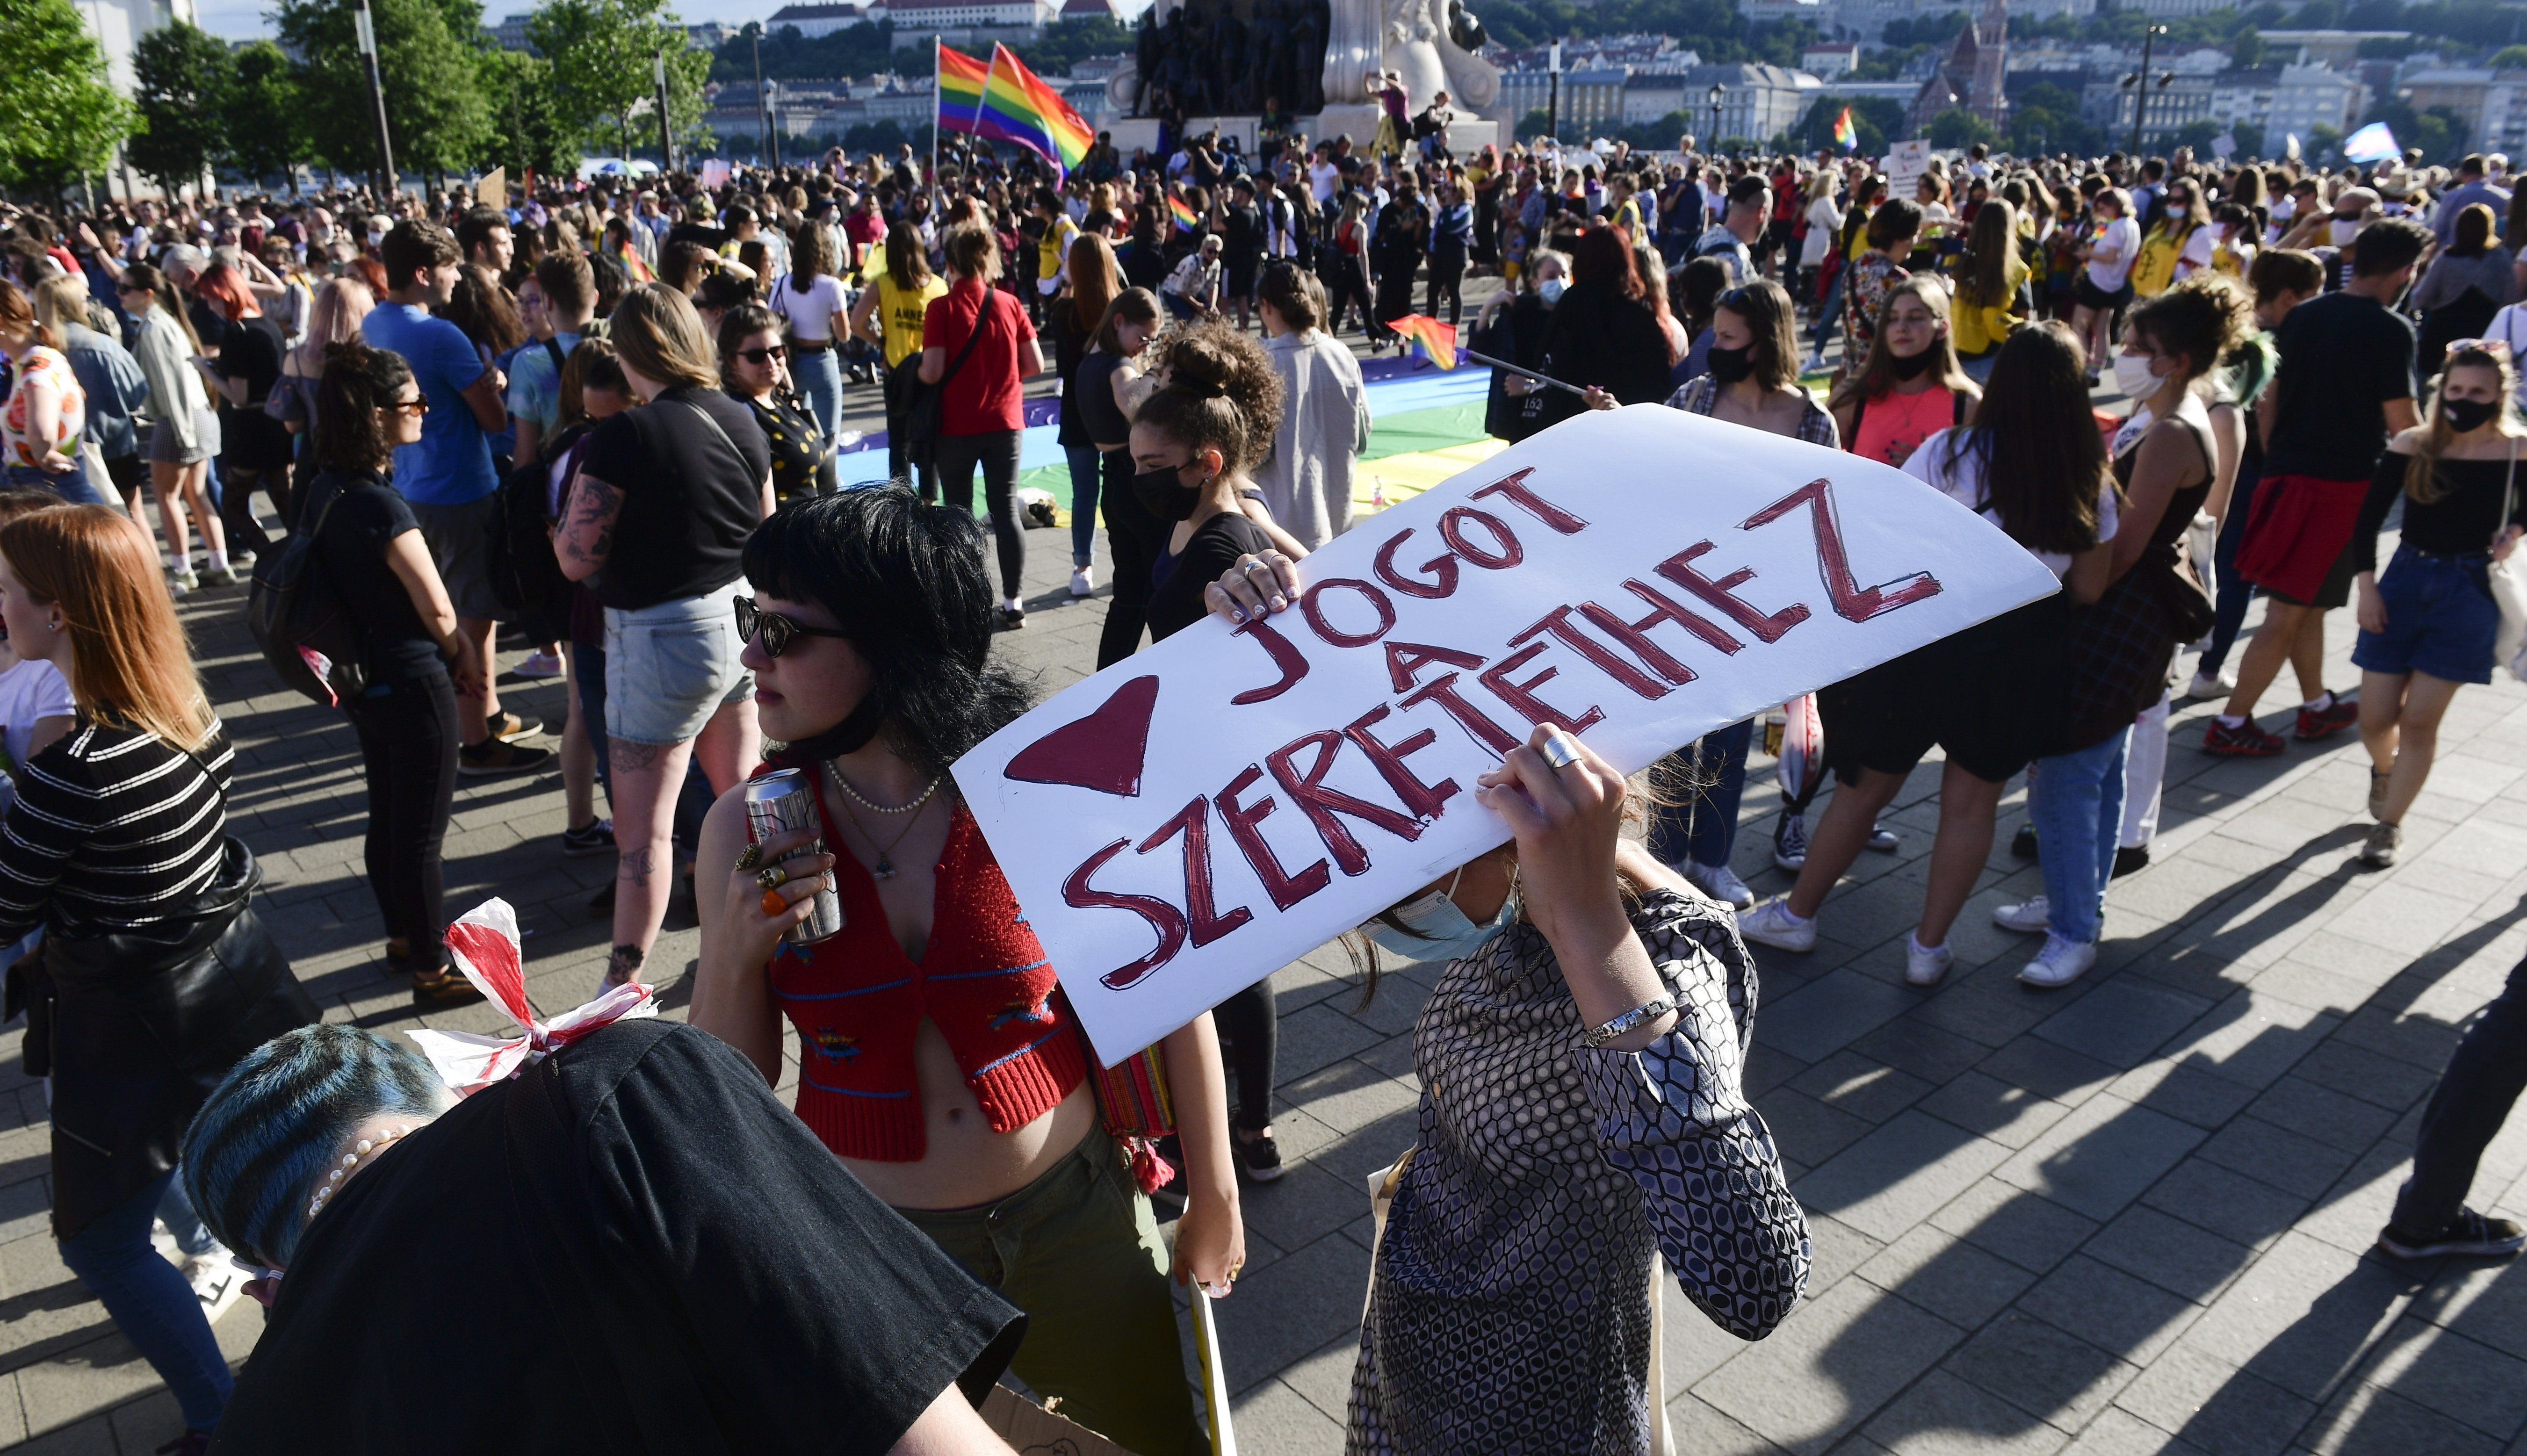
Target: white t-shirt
point(1323, 179)
point(2123, 238)
point(1962, 482)
point(30, 690)
point(810, 314)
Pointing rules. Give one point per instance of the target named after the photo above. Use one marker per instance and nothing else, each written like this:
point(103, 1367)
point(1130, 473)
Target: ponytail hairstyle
point(2202, 317)
point(1222, 393)
point(2422, 477)
point(141, 277)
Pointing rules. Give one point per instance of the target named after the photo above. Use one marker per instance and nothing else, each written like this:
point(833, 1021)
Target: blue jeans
point(1830, 313)
point(2079, 814)
point(820, 378)
point(72, 486)
point(2236, 591)
point(1084, 463)
point(151, 1304)
point(1705, 830)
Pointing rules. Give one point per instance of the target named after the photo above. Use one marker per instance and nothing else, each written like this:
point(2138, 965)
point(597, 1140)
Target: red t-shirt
point(984, 396)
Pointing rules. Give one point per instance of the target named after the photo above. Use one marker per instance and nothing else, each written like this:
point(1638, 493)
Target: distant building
point(1866, 20)
point(2323, 47)
point(1591, 100)
point(1089, 10)
point(710, 35)
point(931, 15)
point(813, 20)
point(2307, 97)
point(1972, 75)
point(1829, 58)
point(512, 33)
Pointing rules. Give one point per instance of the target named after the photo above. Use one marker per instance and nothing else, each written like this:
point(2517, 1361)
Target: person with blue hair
point(628, 1246)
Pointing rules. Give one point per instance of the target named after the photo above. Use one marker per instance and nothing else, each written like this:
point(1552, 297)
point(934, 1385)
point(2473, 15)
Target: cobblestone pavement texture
point(2131, 1215)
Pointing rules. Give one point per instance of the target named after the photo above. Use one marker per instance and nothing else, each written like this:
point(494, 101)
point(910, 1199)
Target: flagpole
point(938, 111)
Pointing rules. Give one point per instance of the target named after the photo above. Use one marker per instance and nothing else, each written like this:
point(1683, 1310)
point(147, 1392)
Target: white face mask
point(2136, 376)
point(1550, 290)
point(2343, 229)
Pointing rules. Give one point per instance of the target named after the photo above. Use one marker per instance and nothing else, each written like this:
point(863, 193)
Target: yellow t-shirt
point(1054, 250)
point(900, 314)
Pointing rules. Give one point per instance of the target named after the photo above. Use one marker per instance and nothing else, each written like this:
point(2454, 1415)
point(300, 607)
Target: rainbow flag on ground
point(1437, 339)
point(1018, 106)
point(1845, 135)
point(1182, 211)
point(961, 78)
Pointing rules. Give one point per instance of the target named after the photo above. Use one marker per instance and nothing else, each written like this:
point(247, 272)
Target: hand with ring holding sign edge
point(1569, 822)
point(742, 933)
point(1257, 585)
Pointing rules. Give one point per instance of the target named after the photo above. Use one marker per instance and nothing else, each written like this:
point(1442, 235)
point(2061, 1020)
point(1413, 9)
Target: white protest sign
point(1203, 812)
point(1904, 165)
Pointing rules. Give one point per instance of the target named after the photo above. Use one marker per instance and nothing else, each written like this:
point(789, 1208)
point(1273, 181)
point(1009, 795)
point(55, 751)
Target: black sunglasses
point(764, 356)
point(772, 631)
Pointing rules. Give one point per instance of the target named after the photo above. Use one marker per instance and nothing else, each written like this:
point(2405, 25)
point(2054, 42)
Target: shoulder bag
point(2508, 580)
point(2121, 645)
point(298, 620)
point(926, 404)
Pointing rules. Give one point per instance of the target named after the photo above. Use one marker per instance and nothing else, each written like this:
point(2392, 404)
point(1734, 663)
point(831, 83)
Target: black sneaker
point(2471, 1237)
point(1261, 1157)
point(2022, 845)
point(1013, 618)
point(2128, 858)
point(596, 839)
point(492, 759)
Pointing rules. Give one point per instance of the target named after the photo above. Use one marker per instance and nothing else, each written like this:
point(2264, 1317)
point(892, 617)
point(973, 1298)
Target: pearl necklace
point(878, 809)
point(350, 1164)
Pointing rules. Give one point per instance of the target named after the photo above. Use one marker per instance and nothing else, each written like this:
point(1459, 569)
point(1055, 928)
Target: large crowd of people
point(597, 426)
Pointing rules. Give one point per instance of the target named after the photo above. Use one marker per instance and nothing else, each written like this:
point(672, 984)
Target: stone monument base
point(1466, 136)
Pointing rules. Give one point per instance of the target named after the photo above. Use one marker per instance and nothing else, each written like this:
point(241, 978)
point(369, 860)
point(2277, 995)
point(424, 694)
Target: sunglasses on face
point(764, 356)
point(417, 406)
point(773, 632)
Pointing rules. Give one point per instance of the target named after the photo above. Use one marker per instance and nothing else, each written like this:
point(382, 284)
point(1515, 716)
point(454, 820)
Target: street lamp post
point(1553, 96)
point(666, 132)
point(2141, 87)
point(769, 120)
point(364, 30)
point(1717, 92)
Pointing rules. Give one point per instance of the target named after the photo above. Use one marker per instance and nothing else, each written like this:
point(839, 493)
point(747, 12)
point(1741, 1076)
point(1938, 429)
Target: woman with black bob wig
point(940, 1061)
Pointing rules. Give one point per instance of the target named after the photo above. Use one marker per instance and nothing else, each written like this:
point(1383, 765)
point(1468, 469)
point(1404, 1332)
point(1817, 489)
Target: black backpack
point(525, 579)
point(298, 620)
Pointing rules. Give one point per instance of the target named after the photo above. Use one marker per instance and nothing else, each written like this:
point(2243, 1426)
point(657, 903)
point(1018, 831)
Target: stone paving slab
point(2130, 1215)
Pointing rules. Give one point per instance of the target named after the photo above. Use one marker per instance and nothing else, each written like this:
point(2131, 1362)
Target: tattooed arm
point(587, 534)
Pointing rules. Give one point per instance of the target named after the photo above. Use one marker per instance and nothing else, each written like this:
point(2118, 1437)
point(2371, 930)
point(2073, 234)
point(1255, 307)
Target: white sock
point(2233, 720)
point(1791, 916)
point(219, 560)
point(1916, 938)
point(172, 563)
point(2320, 703)
point(1014, 605)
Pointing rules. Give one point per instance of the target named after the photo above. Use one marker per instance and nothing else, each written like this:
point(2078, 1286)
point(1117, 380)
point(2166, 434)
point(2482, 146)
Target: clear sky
point(244, 19)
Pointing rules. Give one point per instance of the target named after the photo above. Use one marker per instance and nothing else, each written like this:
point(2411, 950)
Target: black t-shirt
point(802, 462)
point(209, 325)
point(1069, 345)
point(1214, 547)
point(2344, 356)
point(249, 439)
point(1092, 387)
point(632, 1248)
point(1242, 242)
point(689, 501)
point(351, 552)
point(2462, 522)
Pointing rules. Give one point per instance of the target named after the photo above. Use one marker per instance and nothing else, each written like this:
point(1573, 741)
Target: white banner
point(1206, 811)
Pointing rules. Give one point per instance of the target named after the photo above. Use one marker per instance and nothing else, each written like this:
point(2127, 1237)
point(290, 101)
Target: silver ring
point(1250, 563)
point(1560, 751)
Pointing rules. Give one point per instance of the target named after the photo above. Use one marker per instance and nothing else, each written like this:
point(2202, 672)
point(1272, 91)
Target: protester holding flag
point(942, 1063)
point(1604, 333)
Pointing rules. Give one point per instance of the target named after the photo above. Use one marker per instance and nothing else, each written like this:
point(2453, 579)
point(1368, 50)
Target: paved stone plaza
point(2127, 1216)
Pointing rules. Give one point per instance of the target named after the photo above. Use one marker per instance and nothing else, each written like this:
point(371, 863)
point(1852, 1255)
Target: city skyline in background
point(249, 20)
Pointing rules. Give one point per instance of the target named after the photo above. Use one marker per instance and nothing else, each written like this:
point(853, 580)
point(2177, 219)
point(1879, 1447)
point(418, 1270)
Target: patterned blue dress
point(1509, 1310)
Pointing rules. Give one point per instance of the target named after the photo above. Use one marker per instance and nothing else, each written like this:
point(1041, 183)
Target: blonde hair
point(656, 331)
point(1876, 374)
point(2421, 476)
point(130, 666)
point(60, 301)
point(334, 317)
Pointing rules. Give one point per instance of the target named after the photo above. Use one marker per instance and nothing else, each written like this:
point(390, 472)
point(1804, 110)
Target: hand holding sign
point(1245, 790)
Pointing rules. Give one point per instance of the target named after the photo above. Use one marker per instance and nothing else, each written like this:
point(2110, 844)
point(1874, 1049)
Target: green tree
point(263, 115)
point(2246, 51)
point(429, 61)
point(181, 73)
point(1873, 120)
point(2321, 141)
point(1957, 128)
point(604, 54)
point(2509, 58)
point(527, 117)
point(59, 117)
point(2249, 140)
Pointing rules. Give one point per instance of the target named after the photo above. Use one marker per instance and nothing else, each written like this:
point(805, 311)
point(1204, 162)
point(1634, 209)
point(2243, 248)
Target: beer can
point(776, 803)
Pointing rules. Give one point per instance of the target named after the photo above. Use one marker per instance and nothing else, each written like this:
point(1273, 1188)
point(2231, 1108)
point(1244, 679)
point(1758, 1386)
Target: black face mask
point(1911, 368)
point(1163, 494)
point(2468, 414)
point(1728, 366)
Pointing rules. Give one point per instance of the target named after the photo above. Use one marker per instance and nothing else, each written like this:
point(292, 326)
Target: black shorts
point(2091, 296)
point(2333, 592)
point(129, 473)
point(1984, 695)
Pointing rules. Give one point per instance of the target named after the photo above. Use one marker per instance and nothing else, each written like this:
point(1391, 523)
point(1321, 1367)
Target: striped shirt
point(113, 828)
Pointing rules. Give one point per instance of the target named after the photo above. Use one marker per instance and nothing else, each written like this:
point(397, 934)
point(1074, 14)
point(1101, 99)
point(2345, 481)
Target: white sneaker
point(1721, 883)
point(1883, 839)
point(2029, 919)
point(2206, 686)
point(1082, 584)
point(1772, 924)
point(541, 665)
point(2059, 963)
point(1814, 364)
point(1925, 965)
point(1790, 843)
point(217, 1282)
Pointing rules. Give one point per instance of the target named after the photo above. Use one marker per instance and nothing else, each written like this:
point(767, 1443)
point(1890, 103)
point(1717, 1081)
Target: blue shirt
point(451, 463)
point(535, 385)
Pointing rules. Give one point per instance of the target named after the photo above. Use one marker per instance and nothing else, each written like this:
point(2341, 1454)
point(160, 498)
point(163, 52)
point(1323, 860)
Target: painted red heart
point(1102, 751)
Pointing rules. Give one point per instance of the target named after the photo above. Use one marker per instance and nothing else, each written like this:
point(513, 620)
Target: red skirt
point(2299, 527)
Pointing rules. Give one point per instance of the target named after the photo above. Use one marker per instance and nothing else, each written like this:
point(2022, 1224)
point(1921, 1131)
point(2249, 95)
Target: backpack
point(300, 623)
point(525, 579)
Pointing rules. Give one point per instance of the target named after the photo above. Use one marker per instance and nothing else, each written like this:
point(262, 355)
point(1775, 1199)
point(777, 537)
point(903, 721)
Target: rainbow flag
point(1845, 135)
point(961, 78)
point(630, 258)
point(1437, 339)
point(1182, 211)
point(1018, 106)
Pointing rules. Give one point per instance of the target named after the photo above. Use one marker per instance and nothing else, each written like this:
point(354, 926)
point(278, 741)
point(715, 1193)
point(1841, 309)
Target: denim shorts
point(669, 667)
point(2441, 619)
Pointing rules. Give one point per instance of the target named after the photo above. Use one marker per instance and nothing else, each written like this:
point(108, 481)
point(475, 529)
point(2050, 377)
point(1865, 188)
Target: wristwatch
point(1638, 1015)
